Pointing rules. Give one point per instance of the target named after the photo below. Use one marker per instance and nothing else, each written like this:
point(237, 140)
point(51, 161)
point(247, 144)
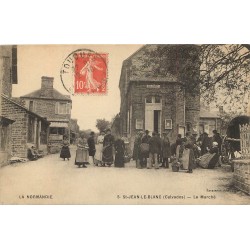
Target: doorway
point(157, 119)
point(153, 109)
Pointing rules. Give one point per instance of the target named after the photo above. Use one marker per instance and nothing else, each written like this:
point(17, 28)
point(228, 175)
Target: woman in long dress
point(210, 159)
point(119, 153)
point(188, 159)
point(65, 153)
point(82, 152)
point(107, 153)
point(99, 148)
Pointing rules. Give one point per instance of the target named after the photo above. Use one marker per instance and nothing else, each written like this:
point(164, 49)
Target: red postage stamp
point(85, 72)
point(90, 73)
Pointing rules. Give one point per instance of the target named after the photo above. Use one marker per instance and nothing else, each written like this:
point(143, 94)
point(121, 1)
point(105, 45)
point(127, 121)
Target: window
point(148, 99)
point(138, 124)
point(62, 108)
point(31, 106)
point(54, 131)
point(153, 99)
point(157, 99)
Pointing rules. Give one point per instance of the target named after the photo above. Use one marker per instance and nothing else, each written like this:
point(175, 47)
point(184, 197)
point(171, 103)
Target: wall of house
point(210, 124)
point(46, 108)
point(172, 106)
point(5, 70)
point(5, 150)
point(5, 88)
point(19, 128)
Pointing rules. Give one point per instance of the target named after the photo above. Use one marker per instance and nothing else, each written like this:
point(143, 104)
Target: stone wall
point(242, 175)
point(46, 108)
point(172, 105)
point(5, 70)
point(19, 127)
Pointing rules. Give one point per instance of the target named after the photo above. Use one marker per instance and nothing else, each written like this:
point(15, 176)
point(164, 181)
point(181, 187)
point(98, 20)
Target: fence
point(245, 140)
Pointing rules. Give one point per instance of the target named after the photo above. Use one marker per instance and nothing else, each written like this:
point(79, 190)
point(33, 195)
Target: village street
point(64, 183)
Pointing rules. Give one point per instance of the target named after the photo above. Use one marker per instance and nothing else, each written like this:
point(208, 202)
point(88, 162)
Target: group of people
point(154, 148)
point(100, 150)
point(148, 152)
point(188, 152)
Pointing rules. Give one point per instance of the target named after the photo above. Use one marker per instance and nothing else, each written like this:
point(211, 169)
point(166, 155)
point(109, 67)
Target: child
point(65, 153)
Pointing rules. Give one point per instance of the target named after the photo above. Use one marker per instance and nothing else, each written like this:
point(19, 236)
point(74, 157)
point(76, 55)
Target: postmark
point(85, 72)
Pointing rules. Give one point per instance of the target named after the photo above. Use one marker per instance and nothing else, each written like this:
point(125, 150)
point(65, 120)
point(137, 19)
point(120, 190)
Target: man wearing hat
point(205, 143)
point(91, 144)
point(145, 144)
point(108, 143)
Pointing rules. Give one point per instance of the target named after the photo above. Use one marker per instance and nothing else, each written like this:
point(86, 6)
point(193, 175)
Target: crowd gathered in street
point(149, 151)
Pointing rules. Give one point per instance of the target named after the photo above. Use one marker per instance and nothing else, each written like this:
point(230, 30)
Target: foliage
point(102, 124)
point(221, 72)
point(226, 118)
point(224, 75)
point(86, 132)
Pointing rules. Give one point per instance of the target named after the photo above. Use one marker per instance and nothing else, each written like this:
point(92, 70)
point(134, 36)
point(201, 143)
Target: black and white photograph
point(125, 124)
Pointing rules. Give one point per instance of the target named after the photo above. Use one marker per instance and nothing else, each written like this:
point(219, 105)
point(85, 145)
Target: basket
point(176, 166)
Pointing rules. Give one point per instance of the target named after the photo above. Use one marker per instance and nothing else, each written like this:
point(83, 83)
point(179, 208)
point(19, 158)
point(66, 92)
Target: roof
point(5, 121)
point(56, 95)
point(146, 64)
point(25, 109)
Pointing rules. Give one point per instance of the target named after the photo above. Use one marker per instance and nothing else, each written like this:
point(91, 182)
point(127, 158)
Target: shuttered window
point(62, 108)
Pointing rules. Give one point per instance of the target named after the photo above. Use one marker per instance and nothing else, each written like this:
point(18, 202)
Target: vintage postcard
point(125, 124)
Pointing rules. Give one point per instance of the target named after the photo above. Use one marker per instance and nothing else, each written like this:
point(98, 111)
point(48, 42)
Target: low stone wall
point(242, 175)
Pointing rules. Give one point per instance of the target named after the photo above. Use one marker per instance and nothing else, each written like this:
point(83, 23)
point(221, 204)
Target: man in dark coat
point(108, 144)
point(217, 138)
point(205, 143)
point(91, 144)
point(166, 151)
point(137, 150)
point(154, 149)
point(145, 155)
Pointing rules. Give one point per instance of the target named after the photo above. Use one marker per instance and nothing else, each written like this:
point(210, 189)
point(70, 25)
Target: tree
point(86, 132)
point(223, 70)
point(224, 75)
point(102, 124)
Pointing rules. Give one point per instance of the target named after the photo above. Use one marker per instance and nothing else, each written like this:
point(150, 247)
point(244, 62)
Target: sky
point(35, 61)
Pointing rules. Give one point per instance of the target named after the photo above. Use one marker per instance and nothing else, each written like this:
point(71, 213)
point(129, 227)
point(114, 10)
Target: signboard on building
point(153, 86)
point(168, 123)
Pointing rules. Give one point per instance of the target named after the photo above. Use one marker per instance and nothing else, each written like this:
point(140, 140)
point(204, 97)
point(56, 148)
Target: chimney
point(47, 86)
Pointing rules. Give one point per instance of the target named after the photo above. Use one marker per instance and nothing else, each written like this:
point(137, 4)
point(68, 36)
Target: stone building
point(153, 96)
point(29, 129)
point(210, 120)
point(56, 107)
point(8, 76)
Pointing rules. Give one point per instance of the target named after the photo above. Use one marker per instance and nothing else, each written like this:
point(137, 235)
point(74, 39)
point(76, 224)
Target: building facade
point(8, 76)
point(209, 121)
point(55, 107)
point(29, 129)
point(152, 94)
